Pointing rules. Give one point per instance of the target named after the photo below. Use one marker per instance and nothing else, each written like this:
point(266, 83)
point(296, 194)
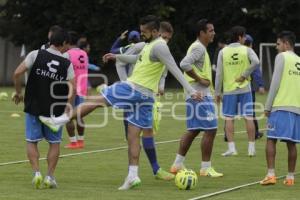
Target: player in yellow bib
point(235, 64)
point(283, 107)
point(200, 116)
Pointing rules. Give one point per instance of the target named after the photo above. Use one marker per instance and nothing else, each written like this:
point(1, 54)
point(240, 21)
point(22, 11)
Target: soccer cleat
point(130, 183)
point(54, 123)
point(80, 143)
point(72, 145)
point(49, 182)
point(37, 181)
point(289, 182)
point(211, 172)
point(175, 169)
point(251, 153)
point(229, 153)
point(48, 121)
point(164, 175)
point(268, 180)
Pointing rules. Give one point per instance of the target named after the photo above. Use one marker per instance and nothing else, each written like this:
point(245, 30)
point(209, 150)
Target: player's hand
point(123, 35)
point(160, 92)
point(240, 79)
point(109, 56)
point(218, 99)
point(261, 90)
point(17, 98)
point(197, 96)
point(267, 113)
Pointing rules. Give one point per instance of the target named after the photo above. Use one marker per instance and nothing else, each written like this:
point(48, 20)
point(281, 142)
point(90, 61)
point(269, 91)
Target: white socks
point(205, 164)
point(271, 172)
point(251, 147)
point(73, 139)
point(231, 146)
point(80, 137)
point(179, 160)
point(37, 173)
point(133, 171)
point(290, 175)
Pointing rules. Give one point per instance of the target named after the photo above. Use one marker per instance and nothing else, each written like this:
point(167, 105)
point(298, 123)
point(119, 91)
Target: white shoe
point(230, 153)
point(49, 182)
point(251, 153)
point(130, 183)
point(55, 123)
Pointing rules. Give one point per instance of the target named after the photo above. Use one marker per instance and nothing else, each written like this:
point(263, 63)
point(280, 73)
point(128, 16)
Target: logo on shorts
point(270, 127)
point(210, 116)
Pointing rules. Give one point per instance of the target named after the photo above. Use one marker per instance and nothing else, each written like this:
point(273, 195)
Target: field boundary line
point(231, 189)
point(105, 150)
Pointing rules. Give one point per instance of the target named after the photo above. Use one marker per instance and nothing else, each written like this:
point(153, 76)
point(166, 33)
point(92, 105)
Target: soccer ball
point(186, 179)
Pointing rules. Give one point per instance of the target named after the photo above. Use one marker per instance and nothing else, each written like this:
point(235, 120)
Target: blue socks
point(149, 147)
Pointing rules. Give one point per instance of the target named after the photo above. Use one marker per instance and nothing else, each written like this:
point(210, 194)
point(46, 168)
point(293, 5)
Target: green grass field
point(97, 176)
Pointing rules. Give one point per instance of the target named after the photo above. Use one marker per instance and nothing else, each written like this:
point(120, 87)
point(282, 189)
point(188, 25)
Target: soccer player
point(166, 32)
point(201, 116)
point(79, 60)
point(283, 107)
point(124, 70)
point(235, 64)
point(256, 84)
point(51, 30)
point(46, 86)
point(136, 94)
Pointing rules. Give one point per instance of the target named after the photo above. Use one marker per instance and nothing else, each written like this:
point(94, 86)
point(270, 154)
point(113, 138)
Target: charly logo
point(297, 65)
point(234, 56)
point(52, 63)
point(81, 59)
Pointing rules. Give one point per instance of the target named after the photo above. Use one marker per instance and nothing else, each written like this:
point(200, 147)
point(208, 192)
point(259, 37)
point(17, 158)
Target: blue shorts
point(36, 131)
point(138, 106)
point(237, 104)
point(284, 125)
point(201, 115)
point(78, 100)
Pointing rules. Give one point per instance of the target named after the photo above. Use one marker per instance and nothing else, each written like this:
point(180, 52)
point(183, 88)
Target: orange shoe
point(268, 180)
point(174, 169)
point(289, 182)
point(80, 143)
point(72, 145)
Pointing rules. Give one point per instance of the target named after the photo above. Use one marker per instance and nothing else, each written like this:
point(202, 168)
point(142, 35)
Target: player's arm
point(275, 83)
point(186, 64)
point(162, 81)
point(18, 74)
point(219, 77)
point(162, 53)
point(254, 62)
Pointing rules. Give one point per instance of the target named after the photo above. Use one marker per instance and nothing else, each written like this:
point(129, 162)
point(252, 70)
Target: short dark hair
point(287, 36)
point(201, 25)
point(58, 37)
point(166, 27)
point(54, 28)
point(73, 37)
point(151, 21)
point(236, 32)
point(82, 44)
